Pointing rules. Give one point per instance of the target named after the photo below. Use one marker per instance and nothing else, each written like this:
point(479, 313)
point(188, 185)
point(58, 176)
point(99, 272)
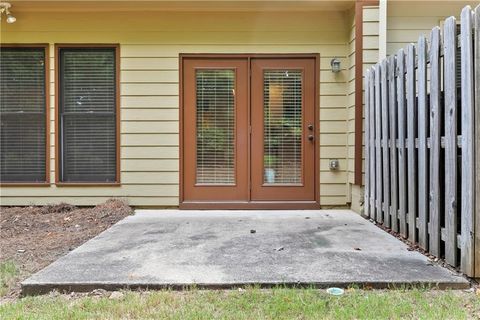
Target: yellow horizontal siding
point(149, 152)
point(156, 102)
point(144, 177)
point(371, 13)
point(148, 126)
point(171, 51)
point(137, 114)
point(370, 56)
point(150, 165)
point(332, 114)
point(191, 37)
point(405, 25)
point(150, 45)
point(150, 139)
point(329, 152)
point(332, 139)
point(126, 190)
point(149, 89)
point(351, 97)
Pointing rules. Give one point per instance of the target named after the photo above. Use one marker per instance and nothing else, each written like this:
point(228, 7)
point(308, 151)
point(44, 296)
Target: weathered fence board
point(450, 54)
point(366, 202)
point(468, 116)
point(423, 126)
point(402, 160)
point(477, 140)
point(411, 150)
point(385, 149)
point(392, 101)
point(434, 225)
point(423, 142)
point(378, 146)
point(372, 144)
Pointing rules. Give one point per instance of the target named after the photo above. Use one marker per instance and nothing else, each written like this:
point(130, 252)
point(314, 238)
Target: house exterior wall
point(407, 20)
point(370, 40)
point(150, 44)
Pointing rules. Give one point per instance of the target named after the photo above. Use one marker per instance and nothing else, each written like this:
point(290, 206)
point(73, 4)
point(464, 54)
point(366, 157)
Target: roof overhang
point(180, 5)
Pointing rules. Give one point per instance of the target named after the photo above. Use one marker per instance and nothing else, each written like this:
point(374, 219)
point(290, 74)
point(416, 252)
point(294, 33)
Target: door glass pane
point(215, 119)
point(282, 126)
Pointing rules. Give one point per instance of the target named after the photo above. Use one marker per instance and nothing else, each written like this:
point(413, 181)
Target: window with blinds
point(282, 126)
point(22, 115)
point(87, 114)
point(215, 120)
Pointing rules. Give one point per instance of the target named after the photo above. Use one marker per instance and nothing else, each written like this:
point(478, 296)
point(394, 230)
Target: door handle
point(310, 137)
point(310, 127)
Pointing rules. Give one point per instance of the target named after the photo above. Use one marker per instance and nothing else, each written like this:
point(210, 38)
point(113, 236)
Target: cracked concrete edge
point(29, 289)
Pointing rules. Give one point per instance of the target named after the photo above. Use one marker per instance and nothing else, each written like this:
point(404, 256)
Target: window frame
point(46, 49)
point(58, 136)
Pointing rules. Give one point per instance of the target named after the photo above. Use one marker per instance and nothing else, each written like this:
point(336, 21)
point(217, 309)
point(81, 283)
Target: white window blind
point(215, 120)
point(88, 114)
point(282, 126)
point(22, 115)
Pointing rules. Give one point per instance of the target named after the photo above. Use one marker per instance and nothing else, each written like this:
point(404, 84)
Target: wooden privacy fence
point(422, 131)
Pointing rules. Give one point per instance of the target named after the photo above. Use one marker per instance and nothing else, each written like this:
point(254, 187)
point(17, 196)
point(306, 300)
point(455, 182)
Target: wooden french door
point(215, 130)
point(248, 132)
point(283, 129)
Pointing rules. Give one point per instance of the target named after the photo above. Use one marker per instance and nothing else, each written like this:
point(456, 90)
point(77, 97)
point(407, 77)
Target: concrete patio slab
point(220, 249)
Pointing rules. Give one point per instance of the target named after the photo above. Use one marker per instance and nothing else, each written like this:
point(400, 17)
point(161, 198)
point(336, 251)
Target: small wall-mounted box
point(334, 164)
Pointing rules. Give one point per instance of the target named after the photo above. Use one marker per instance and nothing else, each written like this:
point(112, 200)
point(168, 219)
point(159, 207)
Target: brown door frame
point(274, 205)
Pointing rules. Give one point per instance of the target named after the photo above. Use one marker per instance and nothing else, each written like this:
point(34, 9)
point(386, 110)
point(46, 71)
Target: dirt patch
point(34, 237)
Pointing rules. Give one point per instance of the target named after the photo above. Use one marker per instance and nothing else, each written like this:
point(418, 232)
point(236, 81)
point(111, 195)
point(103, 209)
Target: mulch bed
point(33, 237)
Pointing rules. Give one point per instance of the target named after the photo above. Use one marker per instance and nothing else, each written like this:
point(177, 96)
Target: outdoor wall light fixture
point(335, 63)
point(334, 164)
point(5, 8)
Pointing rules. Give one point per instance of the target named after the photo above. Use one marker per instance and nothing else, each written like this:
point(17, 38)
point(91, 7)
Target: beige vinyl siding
point(150, 43)
point(371, 15)
point(351, 101)
point(406, 22)
point(370, 37)
point(370, 57)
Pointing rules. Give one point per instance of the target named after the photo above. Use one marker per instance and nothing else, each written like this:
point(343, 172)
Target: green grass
point(8, 272)
point(279, 303)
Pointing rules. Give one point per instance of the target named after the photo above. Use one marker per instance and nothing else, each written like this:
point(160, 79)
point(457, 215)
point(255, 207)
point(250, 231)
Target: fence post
point(434, 225)
point(422, 144)
point(466, 244)
point(392, 96)
point(402, 163)
point(385, 149)
point(366, 202)
point(371, 88)
point(450, 87)
point(411, 133)
point(477, 141)
point(378, 145)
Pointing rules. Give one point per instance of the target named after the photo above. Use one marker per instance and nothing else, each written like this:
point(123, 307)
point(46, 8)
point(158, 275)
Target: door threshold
point(249, 205)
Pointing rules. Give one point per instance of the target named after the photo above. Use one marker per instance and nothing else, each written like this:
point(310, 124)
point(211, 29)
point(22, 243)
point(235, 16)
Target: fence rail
point(422, 141)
